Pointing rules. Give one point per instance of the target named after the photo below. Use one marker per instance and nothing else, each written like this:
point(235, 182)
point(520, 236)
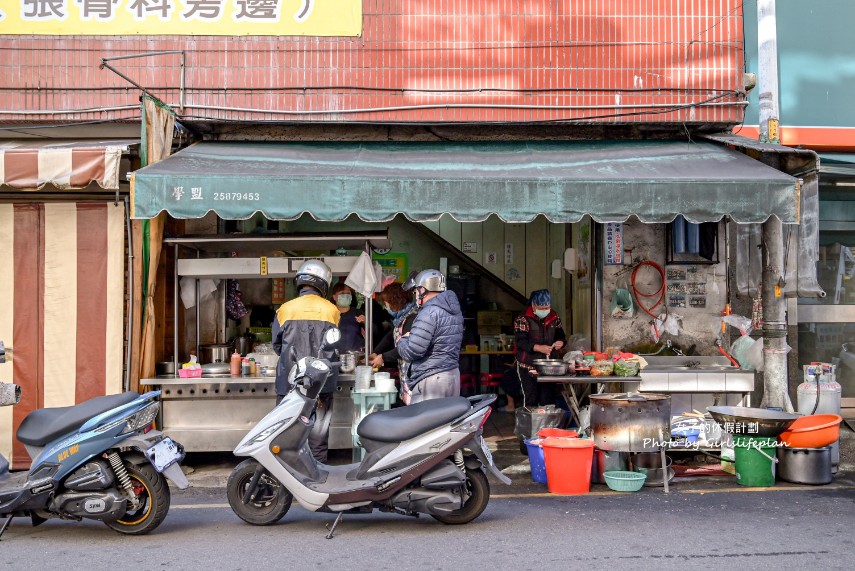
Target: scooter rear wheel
point(153, 492)
point(479, 488)
point(271, 501)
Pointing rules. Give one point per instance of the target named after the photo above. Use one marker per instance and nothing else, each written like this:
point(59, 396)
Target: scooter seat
point(399, 424)
point(46, 424)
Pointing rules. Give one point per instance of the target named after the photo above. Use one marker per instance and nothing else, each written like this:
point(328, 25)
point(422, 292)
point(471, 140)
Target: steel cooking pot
point(218, 353)
point(630, 422)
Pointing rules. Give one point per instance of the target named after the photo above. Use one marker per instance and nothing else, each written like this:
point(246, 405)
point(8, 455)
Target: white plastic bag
point(754, 355)
point(740, 322)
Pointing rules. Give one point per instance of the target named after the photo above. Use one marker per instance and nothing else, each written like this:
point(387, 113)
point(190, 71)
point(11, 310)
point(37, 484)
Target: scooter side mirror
point(331, 337)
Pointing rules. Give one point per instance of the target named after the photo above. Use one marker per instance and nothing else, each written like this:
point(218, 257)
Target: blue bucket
point(535, 459)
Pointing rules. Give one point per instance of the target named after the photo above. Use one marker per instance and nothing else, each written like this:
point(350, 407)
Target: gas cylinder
point(820, 378)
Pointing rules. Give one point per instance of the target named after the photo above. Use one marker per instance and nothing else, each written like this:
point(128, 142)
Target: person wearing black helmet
point(432, 346)
point(301, 323)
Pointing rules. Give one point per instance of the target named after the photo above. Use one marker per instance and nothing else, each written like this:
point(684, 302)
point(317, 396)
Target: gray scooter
point(427, 458)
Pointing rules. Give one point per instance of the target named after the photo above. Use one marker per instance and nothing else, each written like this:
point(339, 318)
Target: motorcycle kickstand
point(338, 519)
point(5, 526)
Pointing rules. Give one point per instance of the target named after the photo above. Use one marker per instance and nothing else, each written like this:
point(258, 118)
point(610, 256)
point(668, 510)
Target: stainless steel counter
point(213, 414)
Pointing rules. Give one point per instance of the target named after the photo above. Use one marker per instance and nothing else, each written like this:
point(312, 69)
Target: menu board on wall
point(613, 244)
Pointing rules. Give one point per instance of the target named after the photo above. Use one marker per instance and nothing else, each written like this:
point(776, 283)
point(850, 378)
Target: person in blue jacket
point(432, 346)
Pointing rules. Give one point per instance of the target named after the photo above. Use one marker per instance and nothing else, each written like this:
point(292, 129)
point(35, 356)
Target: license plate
point(165, 453)
point(486, 451)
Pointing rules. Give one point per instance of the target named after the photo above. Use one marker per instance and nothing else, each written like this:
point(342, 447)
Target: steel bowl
point(747, 421)
point(550, 367)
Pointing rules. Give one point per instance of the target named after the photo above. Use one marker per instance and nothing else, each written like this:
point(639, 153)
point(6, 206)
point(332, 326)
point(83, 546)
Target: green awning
point(517, 181)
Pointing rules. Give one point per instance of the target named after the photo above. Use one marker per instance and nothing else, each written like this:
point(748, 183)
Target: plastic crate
point(262, 334)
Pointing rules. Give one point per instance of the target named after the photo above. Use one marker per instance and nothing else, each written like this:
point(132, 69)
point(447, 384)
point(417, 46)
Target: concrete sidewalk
point(211, 470)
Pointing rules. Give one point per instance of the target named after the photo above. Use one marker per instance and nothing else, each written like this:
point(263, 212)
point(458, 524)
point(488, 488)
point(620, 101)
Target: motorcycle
point(96, 460)
point(426, 458)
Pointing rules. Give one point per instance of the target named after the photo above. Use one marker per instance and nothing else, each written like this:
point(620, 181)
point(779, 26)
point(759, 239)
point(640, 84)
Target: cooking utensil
point(165, 368)
point(755, 422)
point(215, 368)
point(805, 465)
point(550, 367)
point(216, 353)
point(630, 422)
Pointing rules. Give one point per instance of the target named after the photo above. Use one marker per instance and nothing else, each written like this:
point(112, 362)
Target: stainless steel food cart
point(212, 413)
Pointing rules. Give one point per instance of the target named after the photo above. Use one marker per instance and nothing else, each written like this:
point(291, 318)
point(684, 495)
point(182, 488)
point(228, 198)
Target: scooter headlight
point(268, 432)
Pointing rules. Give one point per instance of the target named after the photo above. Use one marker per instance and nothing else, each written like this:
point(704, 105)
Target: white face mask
point(541, 313)
point(344, 300)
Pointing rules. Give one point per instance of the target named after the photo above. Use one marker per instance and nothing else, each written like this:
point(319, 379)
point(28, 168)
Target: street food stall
point(211, 413)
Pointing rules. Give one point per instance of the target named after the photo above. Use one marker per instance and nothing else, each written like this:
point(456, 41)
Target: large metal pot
point(630, 422)
point(219, 353)
point(805, 465)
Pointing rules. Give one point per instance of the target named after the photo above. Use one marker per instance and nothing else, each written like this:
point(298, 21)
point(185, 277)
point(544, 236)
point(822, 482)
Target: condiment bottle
point(244, 367)
point(234, 364)
point(253, 367)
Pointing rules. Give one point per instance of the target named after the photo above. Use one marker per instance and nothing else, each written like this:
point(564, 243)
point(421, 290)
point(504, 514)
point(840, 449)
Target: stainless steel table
point(213, 414)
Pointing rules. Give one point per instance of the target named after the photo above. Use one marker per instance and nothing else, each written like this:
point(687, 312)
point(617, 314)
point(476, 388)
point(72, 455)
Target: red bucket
point(568, 464)
point(559, 432)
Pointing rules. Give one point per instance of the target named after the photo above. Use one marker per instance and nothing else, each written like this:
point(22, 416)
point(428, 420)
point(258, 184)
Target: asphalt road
point(802, 528)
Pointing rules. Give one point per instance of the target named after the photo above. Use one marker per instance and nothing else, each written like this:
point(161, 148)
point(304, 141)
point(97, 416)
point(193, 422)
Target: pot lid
point(215, 368)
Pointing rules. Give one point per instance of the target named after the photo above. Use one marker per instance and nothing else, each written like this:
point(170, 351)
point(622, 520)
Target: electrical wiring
point(659, 294)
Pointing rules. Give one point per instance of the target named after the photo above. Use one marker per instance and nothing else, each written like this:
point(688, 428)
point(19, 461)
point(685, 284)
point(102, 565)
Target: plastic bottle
point(253, 367)
point(244, 367)
point(234, 364)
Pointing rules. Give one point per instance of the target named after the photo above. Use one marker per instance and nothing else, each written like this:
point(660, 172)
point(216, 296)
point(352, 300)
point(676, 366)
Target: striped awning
point(66, 165)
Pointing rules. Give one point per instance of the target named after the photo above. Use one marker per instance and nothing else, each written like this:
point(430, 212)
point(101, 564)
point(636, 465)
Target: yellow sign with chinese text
point(182, 17)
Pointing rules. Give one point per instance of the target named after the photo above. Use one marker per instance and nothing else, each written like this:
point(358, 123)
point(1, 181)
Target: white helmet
point(431, 280)
point(314, 273)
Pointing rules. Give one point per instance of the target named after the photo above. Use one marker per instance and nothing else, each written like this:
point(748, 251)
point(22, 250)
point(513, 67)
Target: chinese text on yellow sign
point(182, 17)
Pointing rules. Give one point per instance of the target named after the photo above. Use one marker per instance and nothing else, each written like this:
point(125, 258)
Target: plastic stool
point(467, 383)
point(490, 381)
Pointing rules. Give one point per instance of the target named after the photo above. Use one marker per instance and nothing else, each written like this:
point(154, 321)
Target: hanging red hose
point(659, 293)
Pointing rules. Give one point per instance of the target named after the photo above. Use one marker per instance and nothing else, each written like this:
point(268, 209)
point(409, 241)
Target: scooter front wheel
point(479, 490)
point(270, 502)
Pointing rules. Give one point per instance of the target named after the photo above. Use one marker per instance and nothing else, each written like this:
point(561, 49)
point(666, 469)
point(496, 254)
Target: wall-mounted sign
point(613, 244)
point(393, 264)
point(470, 247)
point(509, 252)
point(181, 17)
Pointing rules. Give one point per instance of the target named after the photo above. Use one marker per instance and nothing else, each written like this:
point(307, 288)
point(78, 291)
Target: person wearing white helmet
point(432, 346)
point(301, 323)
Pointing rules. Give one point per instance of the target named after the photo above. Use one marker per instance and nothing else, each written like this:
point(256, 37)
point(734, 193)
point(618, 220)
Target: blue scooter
point(96, 460)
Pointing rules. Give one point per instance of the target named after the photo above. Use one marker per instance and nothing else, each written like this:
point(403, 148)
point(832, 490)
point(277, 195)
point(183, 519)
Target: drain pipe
point(775, 393)
point(126, 382)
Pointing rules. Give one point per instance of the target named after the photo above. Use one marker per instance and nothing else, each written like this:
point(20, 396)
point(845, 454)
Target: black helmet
point(431, 280)
point(314, 273)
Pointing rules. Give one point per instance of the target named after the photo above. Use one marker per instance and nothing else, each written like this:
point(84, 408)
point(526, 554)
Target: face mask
point(541, 313)
point(344, 300)
point(387, 308)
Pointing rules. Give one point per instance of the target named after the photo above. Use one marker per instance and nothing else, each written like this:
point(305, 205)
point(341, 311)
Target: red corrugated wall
point(420, 61)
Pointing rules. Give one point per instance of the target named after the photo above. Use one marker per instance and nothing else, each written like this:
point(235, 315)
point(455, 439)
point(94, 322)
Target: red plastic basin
point(812, 431)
